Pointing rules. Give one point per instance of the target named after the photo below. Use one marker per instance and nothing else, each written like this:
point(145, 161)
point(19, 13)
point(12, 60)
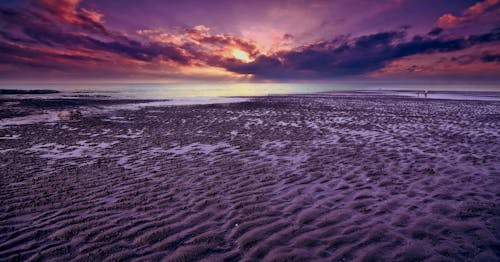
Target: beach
point(312, 177)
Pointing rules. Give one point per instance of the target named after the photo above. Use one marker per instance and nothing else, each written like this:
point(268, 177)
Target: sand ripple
point(287, 178)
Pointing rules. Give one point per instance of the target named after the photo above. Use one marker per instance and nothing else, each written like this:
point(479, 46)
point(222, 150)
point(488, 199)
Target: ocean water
point(177, 90)
point(211, 90)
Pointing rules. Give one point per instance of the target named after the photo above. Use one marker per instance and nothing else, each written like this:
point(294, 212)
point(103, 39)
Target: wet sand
point(11, 107)
point(284, 178)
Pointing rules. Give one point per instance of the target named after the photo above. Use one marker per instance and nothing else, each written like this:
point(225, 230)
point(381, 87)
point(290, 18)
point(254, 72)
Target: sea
point(209, 91)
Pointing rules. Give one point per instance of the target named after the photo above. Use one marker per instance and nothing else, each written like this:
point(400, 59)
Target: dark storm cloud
point(488, 58)
point(436, 31)
point(354, 57)
point(492, 36)
point(40, 60)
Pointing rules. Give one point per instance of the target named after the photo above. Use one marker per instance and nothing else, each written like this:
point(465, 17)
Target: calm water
point(163, 91)
point(190, 90)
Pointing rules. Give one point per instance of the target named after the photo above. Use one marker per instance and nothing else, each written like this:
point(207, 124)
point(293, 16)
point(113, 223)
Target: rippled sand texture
point(278, 178)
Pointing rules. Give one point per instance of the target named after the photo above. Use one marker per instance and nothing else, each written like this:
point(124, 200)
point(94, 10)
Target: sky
point(246, 41)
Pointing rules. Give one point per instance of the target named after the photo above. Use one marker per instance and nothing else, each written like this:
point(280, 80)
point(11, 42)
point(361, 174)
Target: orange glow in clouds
point(241, 55)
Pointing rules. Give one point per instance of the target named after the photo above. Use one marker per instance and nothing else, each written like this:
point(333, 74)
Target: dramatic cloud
point(68, 11)
point(470, 14)
point(436, 31)
point(73, 38)
point(50, 35)
point(476, 62)
point(491, 58)
point(345, 57)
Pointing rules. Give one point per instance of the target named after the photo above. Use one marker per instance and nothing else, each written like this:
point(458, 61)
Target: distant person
point(426, 92)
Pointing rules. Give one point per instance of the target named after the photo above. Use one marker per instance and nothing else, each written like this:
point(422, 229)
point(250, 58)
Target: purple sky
point(319, 40)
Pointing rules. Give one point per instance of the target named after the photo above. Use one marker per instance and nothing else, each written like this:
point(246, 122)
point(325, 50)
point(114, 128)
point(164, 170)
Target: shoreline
point(25, 109)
